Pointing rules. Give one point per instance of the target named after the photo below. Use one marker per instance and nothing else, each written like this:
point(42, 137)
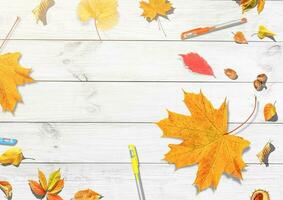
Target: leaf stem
point(160, 25)
point(255, 105)
point(9, 33)
point(24, 158)
point(97, 31)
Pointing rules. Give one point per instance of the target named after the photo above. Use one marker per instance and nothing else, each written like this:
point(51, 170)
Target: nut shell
point(262, 78)
point(260, 195)
point(230, 73)
point(258, 85)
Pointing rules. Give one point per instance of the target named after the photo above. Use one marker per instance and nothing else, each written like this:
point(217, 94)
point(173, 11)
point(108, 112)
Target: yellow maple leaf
point(104, 13)
point(155, 8)
point(12, 75)
point(206, 141)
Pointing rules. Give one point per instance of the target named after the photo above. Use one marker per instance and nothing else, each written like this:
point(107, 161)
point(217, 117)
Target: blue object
point(8, 141)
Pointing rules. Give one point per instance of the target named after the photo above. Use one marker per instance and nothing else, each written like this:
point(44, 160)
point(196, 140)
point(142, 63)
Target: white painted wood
point(135, 102)
point(149, 61)
point(95, 155)
point(115, 181)
point(63, 22)
point(88, 142)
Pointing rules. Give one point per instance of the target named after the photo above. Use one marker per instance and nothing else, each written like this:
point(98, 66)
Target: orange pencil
point(204, 30)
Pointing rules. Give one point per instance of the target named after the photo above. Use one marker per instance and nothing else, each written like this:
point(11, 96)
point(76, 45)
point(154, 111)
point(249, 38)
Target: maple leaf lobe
point(205, 141)
point(12, 75)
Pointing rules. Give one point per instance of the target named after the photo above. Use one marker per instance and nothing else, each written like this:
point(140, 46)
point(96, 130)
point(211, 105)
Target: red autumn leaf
point(37, 189)
point(197, 64)
point(53, 197)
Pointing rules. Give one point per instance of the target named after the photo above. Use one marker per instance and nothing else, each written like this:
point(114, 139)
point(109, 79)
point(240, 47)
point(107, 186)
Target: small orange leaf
point(239, 38)
point(260, 6)
point(53, 197)
point(6, 187)
point(36, 188)
point(87, 195)
point(42, 179)
point(270, 113)
point(58, 187)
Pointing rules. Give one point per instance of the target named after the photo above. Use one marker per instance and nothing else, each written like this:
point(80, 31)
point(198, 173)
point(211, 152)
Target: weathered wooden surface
point(94, 98)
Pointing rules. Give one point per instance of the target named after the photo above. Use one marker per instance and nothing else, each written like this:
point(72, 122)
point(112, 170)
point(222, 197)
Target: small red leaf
point(36, 188)
point(197, 64)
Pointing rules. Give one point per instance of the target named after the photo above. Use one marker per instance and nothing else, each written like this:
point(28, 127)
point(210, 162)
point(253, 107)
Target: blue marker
point(8, 141)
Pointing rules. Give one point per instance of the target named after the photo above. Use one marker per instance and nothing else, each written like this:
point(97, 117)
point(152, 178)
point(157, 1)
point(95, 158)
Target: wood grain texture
point(150, 61)
point(160, 181)
point(63, 22)
point(134, 102)
point(107, 142)
point(94, 98)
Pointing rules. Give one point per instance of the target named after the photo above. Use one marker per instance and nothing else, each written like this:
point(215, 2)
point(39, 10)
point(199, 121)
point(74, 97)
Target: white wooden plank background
point(94, 98)
point(64, 24)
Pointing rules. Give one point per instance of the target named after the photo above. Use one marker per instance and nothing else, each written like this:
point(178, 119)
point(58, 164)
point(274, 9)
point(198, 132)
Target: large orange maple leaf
point(206, 141)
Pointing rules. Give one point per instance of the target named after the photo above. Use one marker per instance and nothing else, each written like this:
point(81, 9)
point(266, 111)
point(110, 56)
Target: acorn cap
point(270, 113)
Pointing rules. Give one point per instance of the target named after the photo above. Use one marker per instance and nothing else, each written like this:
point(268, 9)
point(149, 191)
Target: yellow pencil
point(136, 170)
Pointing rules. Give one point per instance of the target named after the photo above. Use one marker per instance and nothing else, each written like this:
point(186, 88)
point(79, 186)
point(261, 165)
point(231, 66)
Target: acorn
point(260, 82)
point(258, 85)
point(230, 73)
point(260, 195)
point(270, 113)
point(262, 78)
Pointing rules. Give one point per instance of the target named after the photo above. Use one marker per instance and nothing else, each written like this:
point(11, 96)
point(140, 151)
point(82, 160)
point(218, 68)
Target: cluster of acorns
point(260, 82)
